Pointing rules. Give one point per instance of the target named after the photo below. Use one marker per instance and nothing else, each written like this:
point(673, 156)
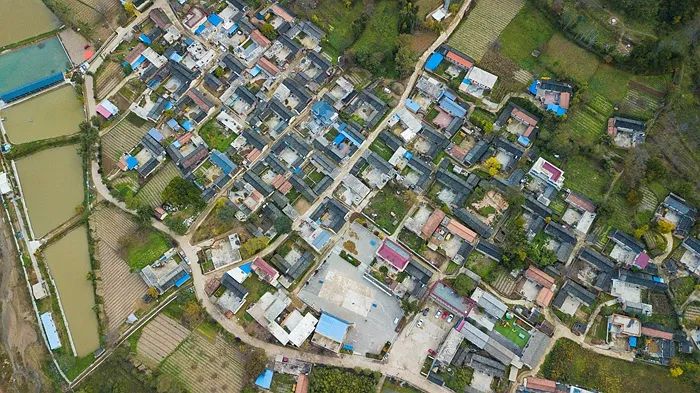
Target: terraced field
point(121, 289)
point(203, 365)
point(121, 138)
point(588, 123)
point(107, 79)
point(640, 104)
point(159, 339)
point(151, 192)
point(483, 25)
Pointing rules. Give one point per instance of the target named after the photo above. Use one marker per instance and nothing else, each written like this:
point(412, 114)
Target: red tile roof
point(394, 254)
point(564, 100)
point(544, 385)
point(432, 223)
point(458, 229)
point(135, 53)
point(259, 38)
point(253, 155)
point(302, 384)
point(524, 117)
point(649, 332)
point(268, 66)
point(265, 270)
point(544, 297)
point(580, 202)
point(554, 172)
point(282, 13)
point(455, 57)
point(540, 277)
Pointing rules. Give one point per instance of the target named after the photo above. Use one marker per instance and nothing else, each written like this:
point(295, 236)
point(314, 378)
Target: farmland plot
point(122, 138)
point(483, 25)
point(159, 339)
point(203, 365)
point(120, 288)
point(151, 192)
point(107, 79)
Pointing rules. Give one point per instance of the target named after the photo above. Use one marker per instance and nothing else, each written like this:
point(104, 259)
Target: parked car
point(444, 314)
point(438, 313)
point(450, 318)
point(432, 352)
point(425, 312)
point(420, 323)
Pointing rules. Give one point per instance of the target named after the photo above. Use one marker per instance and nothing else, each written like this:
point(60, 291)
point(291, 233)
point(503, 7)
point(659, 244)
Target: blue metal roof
point(50, 330)
point(523, 140)
point(219, 159)
point(200, 29)
point(172, 123)
point(254, 71)
point(434, 61)
point(155, 134)
point(332, 327)
point(412, 105)
point(633, 342)
point(215, 19)
point(451, 107)
point(138, 61)
point(264, 380)
point(175, 57)
point(323, 111)
point(339, 139)
point(321, 240)
point(189, 41)
point(232, 29)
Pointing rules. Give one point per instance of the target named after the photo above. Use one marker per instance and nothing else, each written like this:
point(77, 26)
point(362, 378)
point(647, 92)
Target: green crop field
point(584, 177)
point(151, 192)
point(483, 25)
point(121, 138)
point(568, 60)
point(528, 31)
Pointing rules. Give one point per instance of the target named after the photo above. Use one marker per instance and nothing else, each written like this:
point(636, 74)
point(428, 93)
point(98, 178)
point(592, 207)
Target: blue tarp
point(323, 111)
point(182, 280)
point(332, 327)
point(254, 71)
point(200, 29)
point(264, 380)
point(408, 155)
point(559, 111)
point(215, 19)
point(246, 268)
point(138, 62)
point(434, 61)
point(131, 162)
point(351, 138)
point(232, 29)
point(533, 87)
point(187, 125)
point(30, 88)
point(339, 139)
point(633, 342)
point(412, 105)
point(50, 330)
point(189, 41)
point(523, 140)
point(144, 38)
point(347, 347)
point(168, 105)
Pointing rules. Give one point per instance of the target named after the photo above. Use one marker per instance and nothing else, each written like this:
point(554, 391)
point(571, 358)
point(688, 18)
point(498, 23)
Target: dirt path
point(21, 346)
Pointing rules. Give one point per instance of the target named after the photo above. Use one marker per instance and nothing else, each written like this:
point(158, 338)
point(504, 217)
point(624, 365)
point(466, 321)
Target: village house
point(518, 121)
point(626, 133)
point(691, 256)
point(628, 250)
point(554, 96)
point(678, 212)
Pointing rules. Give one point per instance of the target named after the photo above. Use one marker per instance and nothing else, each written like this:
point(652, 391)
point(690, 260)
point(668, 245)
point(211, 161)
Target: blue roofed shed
point(633, 342)
point(155, 134)
point(131, 162)
point(453, 108)
point(559, 111)
point(224, 163)
point(50, 330)
point(412, 105)
point(215, 19)
point(145, 39)
point(172, 123)
point(187, 125)
point(264, 380)
point(175, 57)
point(332, 327)
point(323, 111)
point(523, 140)
point(533, 87)
point(434, 61)
point(200, 29)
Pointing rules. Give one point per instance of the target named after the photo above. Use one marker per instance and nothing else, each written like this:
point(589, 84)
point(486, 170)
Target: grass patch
point(585, 177)
point(379, 39)
point(336, 20)
point(528, 31)
point(215, 136)
point(144, 248)
point(256, 288)
point(610, 82)
point(389, 207)
point(568, 60)
point(568, 362)
point(682, 288)
point(381, 148)
point(513, 332)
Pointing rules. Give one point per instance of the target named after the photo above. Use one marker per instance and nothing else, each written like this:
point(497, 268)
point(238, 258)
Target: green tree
point(268, 31)
point(283, 224)
point(463, 285)
point(182, 194)
point(143, 216)
point(405, 60)
point(252, 246)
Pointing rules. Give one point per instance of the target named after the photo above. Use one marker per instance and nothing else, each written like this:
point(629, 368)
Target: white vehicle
point(420, 323)
point(450, 318)
point(438, 313)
